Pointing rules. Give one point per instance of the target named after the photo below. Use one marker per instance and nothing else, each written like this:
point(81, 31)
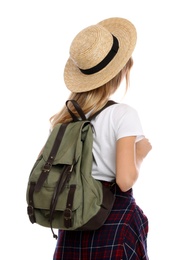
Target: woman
point(100, 58)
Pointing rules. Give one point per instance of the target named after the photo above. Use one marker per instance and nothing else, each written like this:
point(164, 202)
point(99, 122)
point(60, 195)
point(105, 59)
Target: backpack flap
point(66, 152)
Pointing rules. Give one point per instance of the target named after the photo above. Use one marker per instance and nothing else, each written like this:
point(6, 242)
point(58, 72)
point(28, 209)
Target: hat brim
point(126, 34)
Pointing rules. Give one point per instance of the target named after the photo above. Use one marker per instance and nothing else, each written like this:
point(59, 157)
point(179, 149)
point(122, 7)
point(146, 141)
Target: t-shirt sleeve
point(127, 122)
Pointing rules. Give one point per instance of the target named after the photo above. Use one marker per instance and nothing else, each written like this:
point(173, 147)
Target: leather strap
point(68, 211)
point(63, 179)
point(47, 167)
point(109, 103)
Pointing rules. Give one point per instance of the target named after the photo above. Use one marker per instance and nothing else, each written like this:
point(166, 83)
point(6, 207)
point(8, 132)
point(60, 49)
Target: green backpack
point(61, 192)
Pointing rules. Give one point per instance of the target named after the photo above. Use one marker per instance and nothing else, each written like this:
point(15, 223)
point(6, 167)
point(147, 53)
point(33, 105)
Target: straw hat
point(98, 53)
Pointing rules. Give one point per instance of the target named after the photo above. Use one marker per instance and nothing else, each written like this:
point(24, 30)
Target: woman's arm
point(129, 156)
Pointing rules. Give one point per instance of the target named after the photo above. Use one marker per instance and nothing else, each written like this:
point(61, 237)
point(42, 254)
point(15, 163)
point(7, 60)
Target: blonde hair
point(95, 99)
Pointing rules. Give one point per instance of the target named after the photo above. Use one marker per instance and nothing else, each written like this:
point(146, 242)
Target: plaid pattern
point(122, 237)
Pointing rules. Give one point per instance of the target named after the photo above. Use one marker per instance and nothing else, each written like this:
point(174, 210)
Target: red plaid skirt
point(122, 237)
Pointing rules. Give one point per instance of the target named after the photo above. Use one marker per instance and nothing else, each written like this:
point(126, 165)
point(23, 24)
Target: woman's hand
point(129, 156)
point(143, 147)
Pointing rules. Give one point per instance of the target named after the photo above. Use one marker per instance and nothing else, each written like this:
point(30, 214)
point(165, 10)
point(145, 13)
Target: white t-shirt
point(115, 122)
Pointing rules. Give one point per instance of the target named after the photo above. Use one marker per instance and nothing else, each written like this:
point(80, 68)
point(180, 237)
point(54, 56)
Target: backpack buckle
point(47, 167)
point(67, 213)
point(68, 218)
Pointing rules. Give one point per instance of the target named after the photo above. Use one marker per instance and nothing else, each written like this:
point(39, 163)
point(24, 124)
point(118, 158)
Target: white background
point(34, 45)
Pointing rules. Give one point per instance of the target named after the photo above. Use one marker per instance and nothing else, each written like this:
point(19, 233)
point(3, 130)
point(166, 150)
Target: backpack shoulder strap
point(109, 103)
point(81, 113)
